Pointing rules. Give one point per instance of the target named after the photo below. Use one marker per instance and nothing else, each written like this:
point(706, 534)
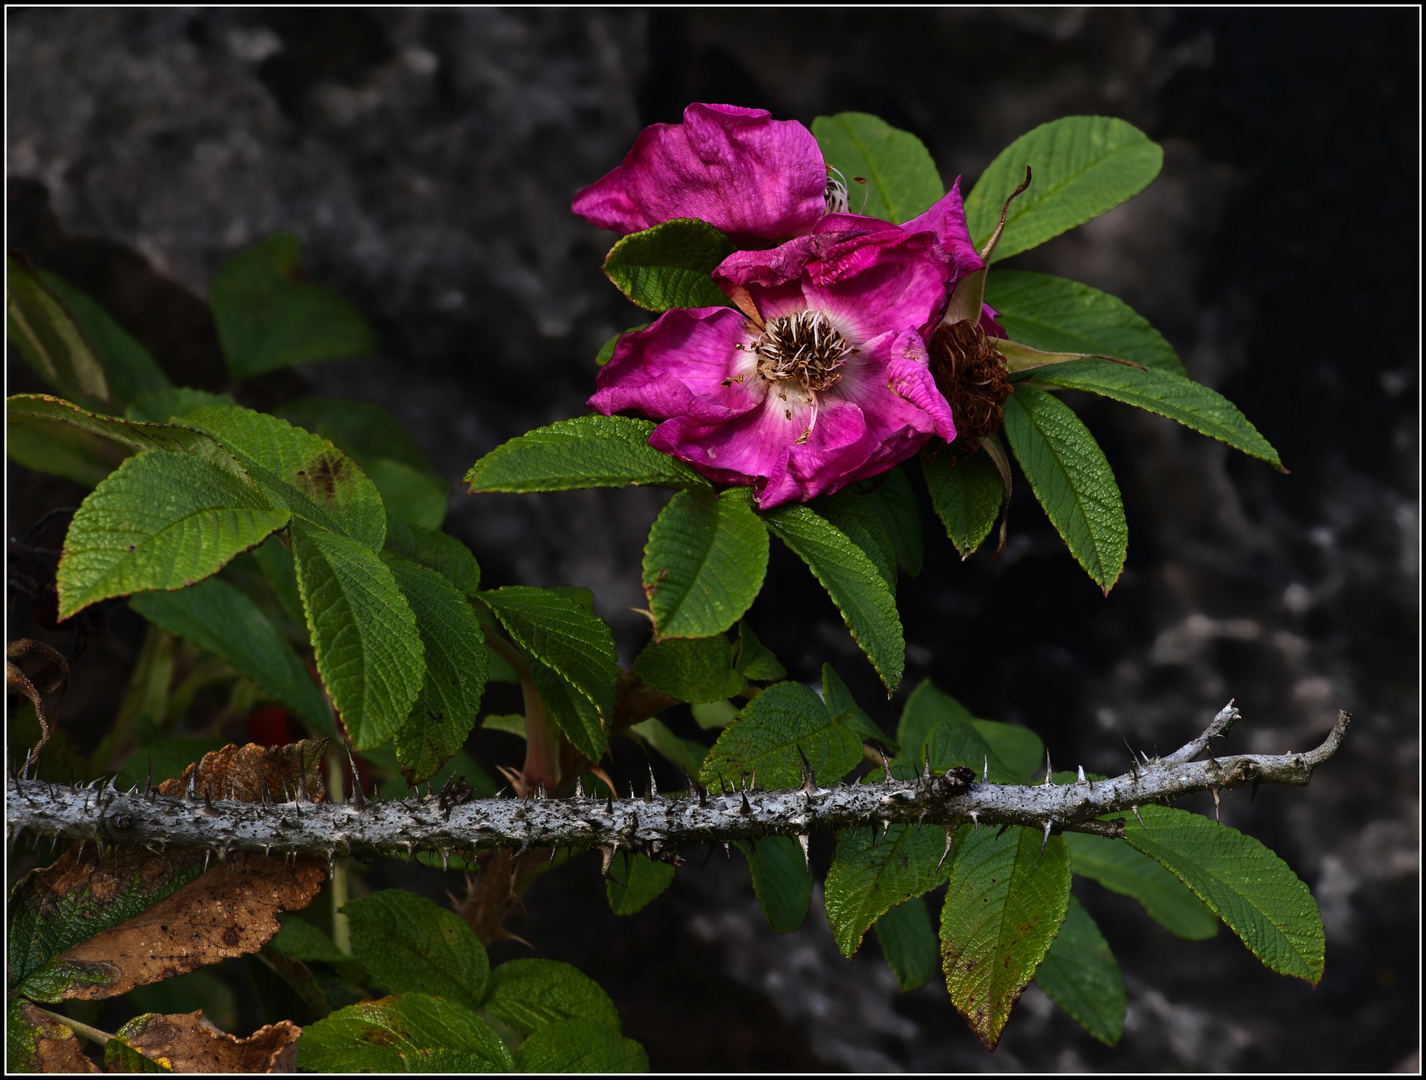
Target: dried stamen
point(803, 346)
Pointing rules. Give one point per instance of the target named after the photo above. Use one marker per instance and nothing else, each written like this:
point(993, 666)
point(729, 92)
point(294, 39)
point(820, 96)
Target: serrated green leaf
point(755, 660)
point(780, 879)
point(966, 496)
point(63, 450)
point(1004, 905)
point(270, 316)
point(844, 708)
point(895, 502)
point(1191, 404)
point(129, 368)
point(159, 521)
point(300, 471)
point(409, 943)
point(40, 410)
point(901, 179)
point(606, 351)
point(953, 742)
point(530, 994)
point(907, 937)
point(411, 489)
point(634, 881)
point(1119, 868)
point(669, 265)
point(300, 940)
point(925, 707)
point(172, 402)
point(586, 452)
point(1059, 315)
point(703, 565)
point(574, 713)
point(871, 873)
point(767, 735)
point(853, 514)
point(216, 616)
point(1242, 881)
point(440, 551)
point(853, 582)
point(402, 1033)
point(691, 669)
point(449, 702)
point(1081, 977)
point(44, 924)
point(1071, 478)
point(1082, 166)
point(369, 652)
point(580, 1046)
point(562, 636)
point(49, 337)
point(685, 753)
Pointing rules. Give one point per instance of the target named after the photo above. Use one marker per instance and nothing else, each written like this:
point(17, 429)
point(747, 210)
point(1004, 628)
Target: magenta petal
point(947, 220)
point(686, 364)
point(753, 177)
point(990, 322)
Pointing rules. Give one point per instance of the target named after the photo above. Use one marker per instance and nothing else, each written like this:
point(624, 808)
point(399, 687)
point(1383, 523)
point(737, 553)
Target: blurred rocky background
point(427, 159)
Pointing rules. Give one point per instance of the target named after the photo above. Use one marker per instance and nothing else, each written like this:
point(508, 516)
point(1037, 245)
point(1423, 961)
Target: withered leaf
point(93, 926)
point(190, 1043)
point(37, 1042)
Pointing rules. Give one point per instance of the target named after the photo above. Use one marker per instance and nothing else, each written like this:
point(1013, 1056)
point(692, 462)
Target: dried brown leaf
point(243, 773)
point(55, 1047)
point(190, 1043)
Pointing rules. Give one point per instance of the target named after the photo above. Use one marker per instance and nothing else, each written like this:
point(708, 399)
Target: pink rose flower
point(821, 378)
point(746, 174)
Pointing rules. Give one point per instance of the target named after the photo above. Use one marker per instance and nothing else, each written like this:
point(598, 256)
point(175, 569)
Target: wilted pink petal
point(744, 173)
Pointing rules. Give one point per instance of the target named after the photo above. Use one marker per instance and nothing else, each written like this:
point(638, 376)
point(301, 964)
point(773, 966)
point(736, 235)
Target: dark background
point(427, 158)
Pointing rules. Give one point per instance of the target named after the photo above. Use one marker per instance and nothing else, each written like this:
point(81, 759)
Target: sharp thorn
point(609, 805)
point(1216, 816)
point(926, 771)
point(727, 850)
point(985, 771)
point(747, 807)
point(1049, 772)
point(332, 864)
point(950, 834)
point(975, 820)
point(445, 858)
point(1046, 839)
point(1001, 832)
point(148, 781)
point(207, 802)
point(704, 863)
point(553, 852)
point(193, 783)
point(921, 820)
point(1141, 820)
point(608, 859)
point(357, 796)
point(579, 787)
point(1081, 774)
point(410, 849)
point(885, 827)
point(805, 841)
point(207, 855)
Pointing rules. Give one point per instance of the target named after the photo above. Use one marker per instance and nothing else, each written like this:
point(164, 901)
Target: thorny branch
point(450, 822)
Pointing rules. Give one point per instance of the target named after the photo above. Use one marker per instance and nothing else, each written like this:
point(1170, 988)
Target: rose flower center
point(802, 346)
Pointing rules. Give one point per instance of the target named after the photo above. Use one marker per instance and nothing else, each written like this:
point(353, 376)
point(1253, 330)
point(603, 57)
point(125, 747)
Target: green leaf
point(962, 739)
point(49, 337)
point(172, 403)
point(853, 582)
point(216, 616)
point(409, 943)
point(780, 879)
point(685, 753)
point(1082, 165)
point(907, 938)
point(713, 714)
point(45, 923)
point(274, 558)
point(129, 367)
point(1119, 868)
point(439, 551)
point(568, 1046)
point(902, 180)
point(844, 708)
point(1059, 315)
point(669, 265)
point(966, 496)
point(606, 351)
point(530, 994)
point(299, 470)
point(63, 450)
point(1191, 404)
point(122, 1056)
point(853, 514)
point(369, 653)
point(703, 565)
point(895, 503)
point(562, 636)
point(1069, 475)
point(755, 660)
point(1004, 905)
point(40, 410)
point(871, 873)
point(449, 702)
point(1081, 977)
point(300, 940)
point(270, 316)
point(635, 881)
point(411, 489)
point(574, 713)
point(768, 734)
point(1020, 751)
point(926, 707)
point(402, 1033)
point(586, 452)
point(1242, 881)
point(691, 669)
point(159, 521)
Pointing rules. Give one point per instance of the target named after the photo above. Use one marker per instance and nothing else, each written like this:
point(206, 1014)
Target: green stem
point(93, 1034)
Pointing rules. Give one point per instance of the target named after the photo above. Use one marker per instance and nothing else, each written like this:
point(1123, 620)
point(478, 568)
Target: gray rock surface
point(427, 159)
